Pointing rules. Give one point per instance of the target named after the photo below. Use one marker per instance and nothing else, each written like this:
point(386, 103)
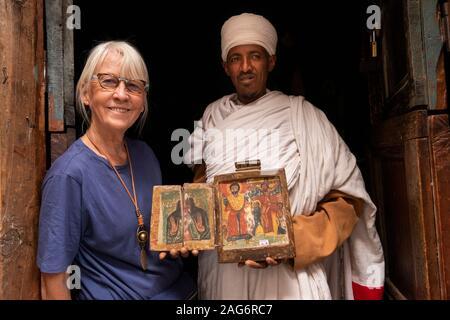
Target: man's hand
point(184, 252)
point(261, 264)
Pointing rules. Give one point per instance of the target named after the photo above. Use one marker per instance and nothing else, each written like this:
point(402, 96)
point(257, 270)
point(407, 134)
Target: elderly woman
point(96, 198)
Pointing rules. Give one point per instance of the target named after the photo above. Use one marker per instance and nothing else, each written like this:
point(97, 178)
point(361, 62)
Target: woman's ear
point(85, 96)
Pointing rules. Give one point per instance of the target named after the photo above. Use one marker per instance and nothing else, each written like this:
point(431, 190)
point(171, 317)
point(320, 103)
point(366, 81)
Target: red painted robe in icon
point(269, 206)
point(237, 226)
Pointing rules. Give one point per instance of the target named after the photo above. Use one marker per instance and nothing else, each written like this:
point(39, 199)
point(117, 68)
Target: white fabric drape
point(287, 132)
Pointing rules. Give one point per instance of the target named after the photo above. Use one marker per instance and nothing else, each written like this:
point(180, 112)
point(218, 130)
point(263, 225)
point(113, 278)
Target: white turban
point(248, 28)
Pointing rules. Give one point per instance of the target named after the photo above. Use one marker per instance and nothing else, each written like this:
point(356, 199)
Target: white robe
point(316, 160)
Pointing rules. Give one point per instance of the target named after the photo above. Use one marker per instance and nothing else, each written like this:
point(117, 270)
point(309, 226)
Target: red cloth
point(365, 293)
point(269, 204)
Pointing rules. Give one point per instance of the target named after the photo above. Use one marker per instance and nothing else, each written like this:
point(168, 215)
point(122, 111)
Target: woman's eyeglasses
point(111, 82)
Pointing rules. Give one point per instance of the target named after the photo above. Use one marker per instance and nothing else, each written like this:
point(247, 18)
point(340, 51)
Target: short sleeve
point(59, 223)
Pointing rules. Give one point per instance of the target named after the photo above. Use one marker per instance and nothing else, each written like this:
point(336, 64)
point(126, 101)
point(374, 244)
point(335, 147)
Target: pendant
point(143, 259)
point(142, 237)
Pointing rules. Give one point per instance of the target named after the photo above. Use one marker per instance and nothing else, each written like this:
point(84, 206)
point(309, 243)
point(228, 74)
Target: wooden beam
point(422, 223)
point(432, 47)
point(60, 70)
point(69, 72)
point(439, 127)
point(22, 148)
point(396, 131)
point(60, 142)
point(55, 64)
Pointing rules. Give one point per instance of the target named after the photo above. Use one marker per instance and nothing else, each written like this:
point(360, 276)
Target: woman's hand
point(184, 252)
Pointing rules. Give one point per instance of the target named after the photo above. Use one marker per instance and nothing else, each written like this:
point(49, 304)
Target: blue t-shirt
point(87, 219)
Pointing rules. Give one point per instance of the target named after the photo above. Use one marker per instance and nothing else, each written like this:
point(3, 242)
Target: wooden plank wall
point(22, 148)
point(405, 194)
point(439, 128)
point(410, 160)
point(60, 74)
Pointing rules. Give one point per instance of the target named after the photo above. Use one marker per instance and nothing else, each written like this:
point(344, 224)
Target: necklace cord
point(133, 197)
point(141, 233)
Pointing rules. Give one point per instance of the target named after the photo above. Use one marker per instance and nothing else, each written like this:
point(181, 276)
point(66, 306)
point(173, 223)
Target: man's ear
point(225, 67)
point(272, 62)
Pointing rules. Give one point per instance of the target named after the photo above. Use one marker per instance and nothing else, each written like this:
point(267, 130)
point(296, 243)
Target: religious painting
point(166, 231)
point(182, 217)
point(244, 215)
point(253, 216)
point(199, 216)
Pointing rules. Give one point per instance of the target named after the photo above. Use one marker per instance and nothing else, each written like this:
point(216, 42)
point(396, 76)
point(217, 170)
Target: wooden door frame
point(22, 148)
point(406, 138)
point(403, 121)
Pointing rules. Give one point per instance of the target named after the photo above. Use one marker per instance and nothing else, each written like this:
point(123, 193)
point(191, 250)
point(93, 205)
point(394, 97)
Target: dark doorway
point(319, 51)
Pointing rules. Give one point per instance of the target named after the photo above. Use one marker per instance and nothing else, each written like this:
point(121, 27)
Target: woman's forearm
point(54, 286)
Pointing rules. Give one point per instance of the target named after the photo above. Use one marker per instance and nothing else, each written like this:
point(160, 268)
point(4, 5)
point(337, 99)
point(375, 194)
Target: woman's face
point(113, 110)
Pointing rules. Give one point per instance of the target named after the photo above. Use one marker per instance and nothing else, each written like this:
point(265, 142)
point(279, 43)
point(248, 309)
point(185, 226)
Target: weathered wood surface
point(440, 153)
point(420, 85)
point(60, 77)
point(432, 48)
point(441, 83)
point(396, 131)
point(422, 223)
point(402, 165)
point(69, 72)
point(22, 147)
point(55, 65)
point(60, 142)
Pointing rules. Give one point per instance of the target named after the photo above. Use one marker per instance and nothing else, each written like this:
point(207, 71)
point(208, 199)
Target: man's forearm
point(321, 233)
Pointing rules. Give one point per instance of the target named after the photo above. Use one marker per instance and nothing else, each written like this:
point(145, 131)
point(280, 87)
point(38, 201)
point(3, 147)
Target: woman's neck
point(110, 145)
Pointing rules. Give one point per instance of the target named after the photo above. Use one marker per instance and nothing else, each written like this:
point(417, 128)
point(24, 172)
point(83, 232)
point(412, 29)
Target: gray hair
point(133, 66)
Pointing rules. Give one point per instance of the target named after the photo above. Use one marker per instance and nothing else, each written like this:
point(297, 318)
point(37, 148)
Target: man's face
point(248, 66)
point(234, 189)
